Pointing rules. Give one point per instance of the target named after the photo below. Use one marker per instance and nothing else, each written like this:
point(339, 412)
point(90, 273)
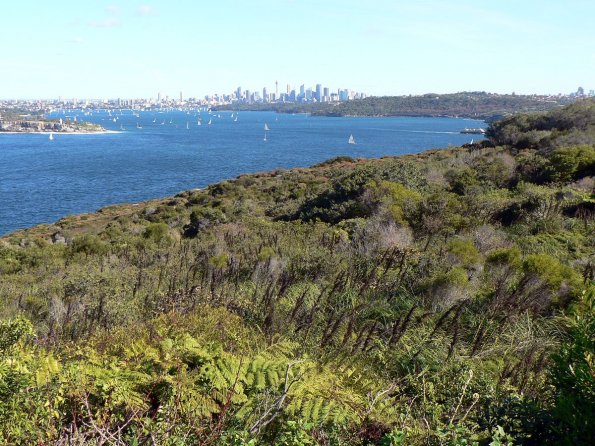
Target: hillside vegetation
point(444, 298)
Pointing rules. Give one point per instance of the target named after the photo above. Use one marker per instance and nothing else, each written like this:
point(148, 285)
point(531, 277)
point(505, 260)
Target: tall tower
point(277, 89)
point(180, 96)
point(288, 89)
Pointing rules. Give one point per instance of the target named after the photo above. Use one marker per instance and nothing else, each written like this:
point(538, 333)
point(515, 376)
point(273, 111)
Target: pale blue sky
point(108, 49)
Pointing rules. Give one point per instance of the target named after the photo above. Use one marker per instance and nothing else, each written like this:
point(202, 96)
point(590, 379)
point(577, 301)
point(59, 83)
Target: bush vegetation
point(444, 298)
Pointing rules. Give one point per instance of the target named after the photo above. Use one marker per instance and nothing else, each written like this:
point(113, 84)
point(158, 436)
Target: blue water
point(43, 180)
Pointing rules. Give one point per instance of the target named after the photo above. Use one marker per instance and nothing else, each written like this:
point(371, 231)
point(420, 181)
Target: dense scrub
point(439, 298)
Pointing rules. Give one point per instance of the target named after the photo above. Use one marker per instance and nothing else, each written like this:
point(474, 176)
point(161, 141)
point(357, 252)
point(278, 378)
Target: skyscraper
point(276, 89)
point(265, 95)
point(181, 96)
point(318, 92)
point(288, 89)
point(239, 93)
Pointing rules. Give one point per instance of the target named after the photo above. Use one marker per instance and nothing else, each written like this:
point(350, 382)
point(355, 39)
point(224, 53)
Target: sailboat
point(138, 126)
point(351, 140)
point(210, 121)
point(235, 119)
point(266, 129)
point(198, 122)
point(51, 136)
point(187, 126)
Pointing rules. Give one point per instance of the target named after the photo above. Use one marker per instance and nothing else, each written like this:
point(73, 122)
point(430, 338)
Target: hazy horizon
point(107, 49)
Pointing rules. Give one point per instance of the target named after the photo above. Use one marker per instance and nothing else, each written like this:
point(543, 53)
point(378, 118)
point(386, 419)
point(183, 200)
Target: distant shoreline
point(101, 132)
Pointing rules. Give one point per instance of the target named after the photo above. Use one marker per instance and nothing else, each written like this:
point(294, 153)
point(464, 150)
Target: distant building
point(265, 95)
point(318, 92)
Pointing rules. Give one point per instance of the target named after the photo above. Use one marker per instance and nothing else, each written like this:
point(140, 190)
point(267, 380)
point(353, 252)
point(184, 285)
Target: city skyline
point(297, 93)
point(105, 49)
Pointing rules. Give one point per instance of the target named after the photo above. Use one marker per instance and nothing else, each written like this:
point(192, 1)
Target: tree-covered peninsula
point(476, 105)
point(444, 298)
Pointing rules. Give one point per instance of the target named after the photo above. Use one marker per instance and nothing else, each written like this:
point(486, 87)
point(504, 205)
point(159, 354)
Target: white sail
point(51, 136)
point(210, 121)
point(351, 139)
point(187, 126)
point(198, 123)
point(266, 127)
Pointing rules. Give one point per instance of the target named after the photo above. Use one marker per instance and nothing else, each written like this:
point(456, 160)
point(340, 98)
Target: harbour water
point(162, 153)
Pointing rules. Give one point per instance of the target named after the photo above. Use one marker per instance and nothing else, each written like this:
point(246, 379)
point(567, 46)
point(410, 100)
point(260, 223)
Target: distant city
point(302, 94)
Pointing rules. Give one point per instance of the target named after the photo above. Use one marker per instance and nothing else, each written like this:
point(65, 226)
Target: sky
point(130, 49)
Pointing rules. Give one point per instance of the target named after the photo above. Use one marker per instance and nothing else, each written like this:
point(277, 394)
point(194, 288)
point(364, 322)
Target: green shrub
point(158, 233)
point(89, 245)
point(573, 375)
point(570, 163)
